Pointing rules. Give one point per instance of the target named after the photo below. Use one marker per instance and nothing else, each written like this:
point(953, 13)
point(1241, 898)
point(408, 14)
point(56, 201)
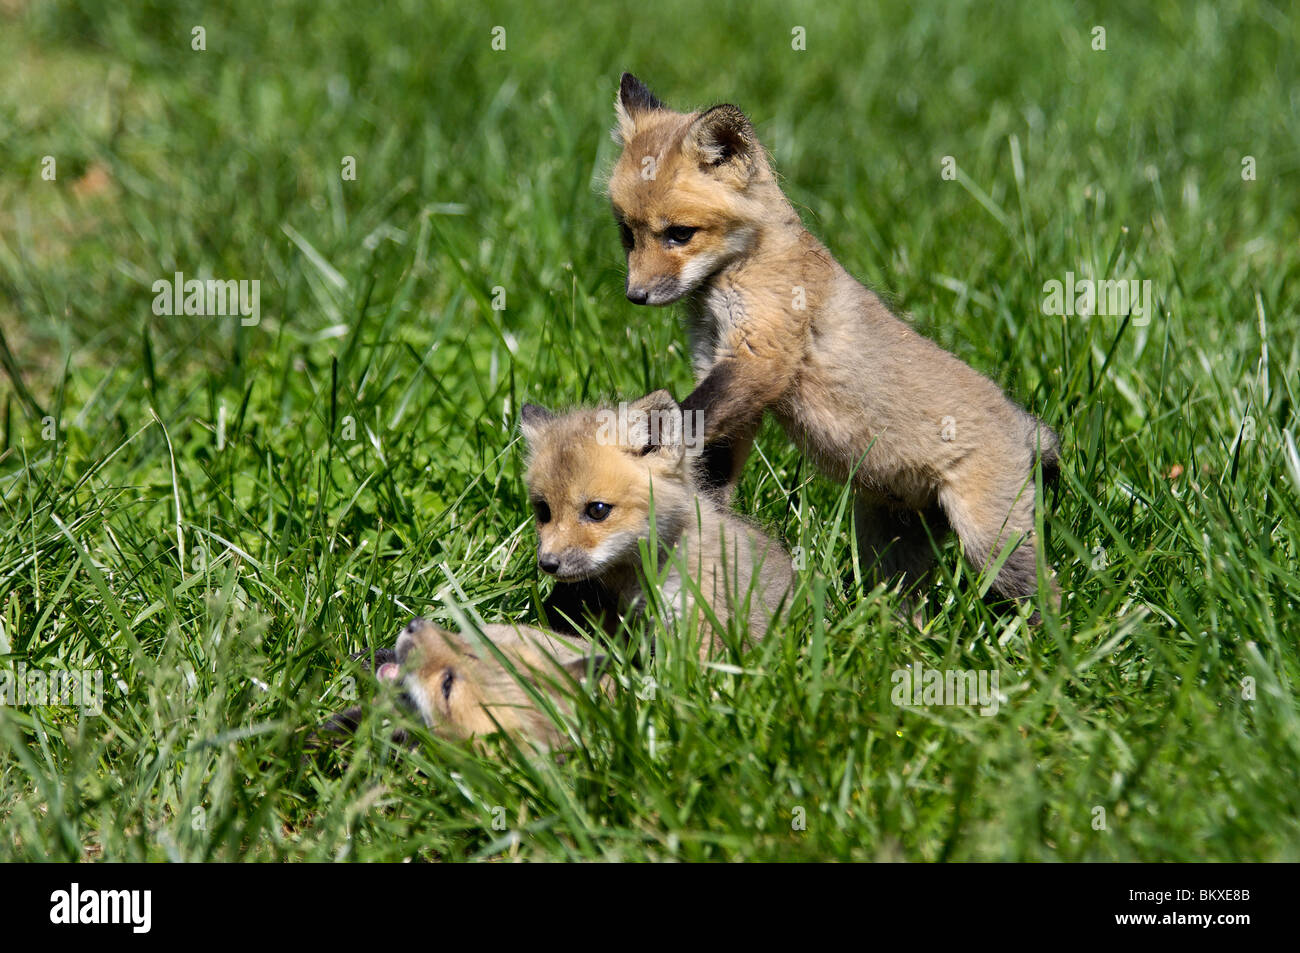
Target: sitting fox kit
point(592, 487)
point(776, 324)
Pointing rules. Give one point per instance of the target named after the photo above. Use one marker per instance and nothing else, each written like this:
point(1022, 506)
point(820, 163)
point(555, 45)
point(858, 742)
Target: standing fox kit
point(776, 324)
point(592, 482)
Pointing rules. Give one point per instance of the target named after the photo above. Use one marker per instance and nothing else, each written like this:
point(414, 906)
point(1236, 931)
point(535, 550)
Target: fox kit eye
point(541, 511)
point(625, 233)
point(448, 679)
point(678, 234)
point(597, 511)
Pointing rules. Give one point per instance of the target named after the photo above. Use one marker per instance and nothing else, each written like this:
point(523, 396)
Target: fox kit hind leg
point(894, 543)
point(898, 544)
point(990, 512)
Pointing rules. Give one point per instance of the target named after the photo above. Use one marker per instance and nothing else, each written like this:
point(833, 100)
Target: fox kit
point(462, 688)
point(775, 323)
point(591, 478)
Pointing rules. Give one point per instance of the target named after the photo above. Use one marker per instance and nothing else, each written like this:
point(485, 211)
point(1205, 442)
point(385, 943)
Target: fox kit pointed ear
point(533, 420)
point(722, 138)
point(634, 98)
point(655, 400)
point(654, 425)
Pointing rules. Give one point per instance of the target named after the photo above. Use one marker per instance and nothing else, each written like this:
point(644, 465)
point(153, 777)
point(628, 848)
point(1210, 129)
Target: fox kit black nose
point(638, 295)
point(548, 563)
point(414, 625)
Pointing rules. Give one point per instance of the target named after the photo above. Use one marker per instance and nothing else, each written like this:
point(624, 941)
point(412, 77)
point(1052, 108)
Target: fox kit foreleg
point(721, 463)
point(750, 368)
point(729, 427)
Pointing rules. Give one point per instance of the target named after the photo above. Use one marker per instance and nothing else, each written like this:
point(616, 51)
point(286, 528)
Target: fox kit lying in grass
point(776, 323)
point(462, 688)
point(591, 488)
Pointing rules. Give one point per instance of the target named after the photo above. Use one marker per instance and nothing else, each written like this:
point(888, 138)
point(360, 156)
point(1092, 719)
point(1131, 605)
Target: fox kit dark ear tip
point(530, 415)
point(635, 95)
point(728, 112)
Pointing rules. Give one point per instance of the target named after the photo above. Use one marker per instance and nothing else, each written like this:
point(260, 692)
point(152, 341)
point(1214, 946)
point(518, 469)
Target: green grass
point(221, 584)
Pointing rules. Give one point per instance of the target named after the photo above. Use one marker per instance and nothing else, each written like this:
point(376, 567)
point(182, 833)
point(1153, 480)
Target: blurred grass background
point(223, 513)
